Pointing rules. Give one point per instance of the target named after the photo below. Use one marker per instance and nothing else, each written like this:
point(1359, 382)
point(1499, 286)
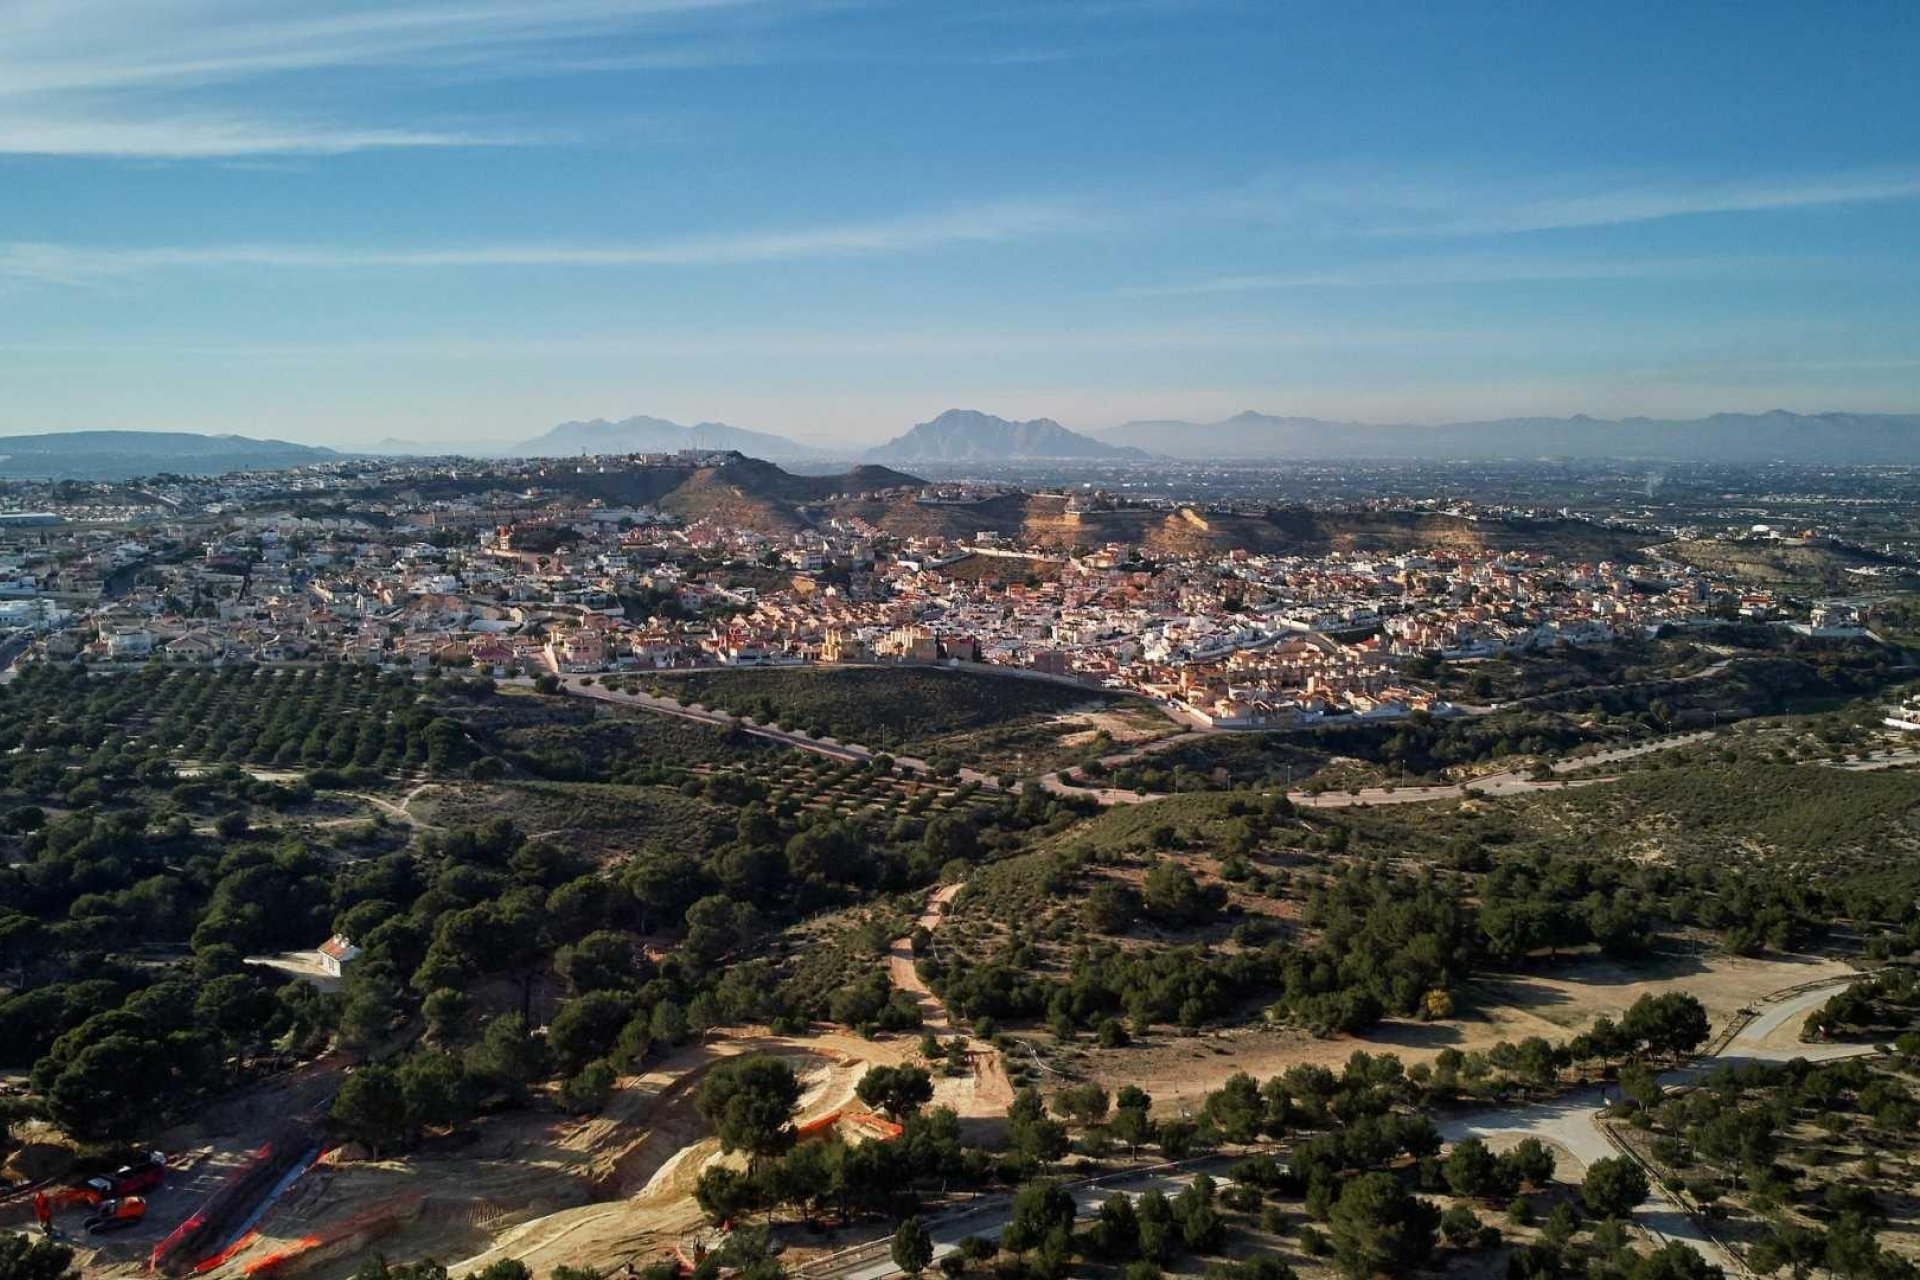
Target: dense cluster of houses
point(521, 582)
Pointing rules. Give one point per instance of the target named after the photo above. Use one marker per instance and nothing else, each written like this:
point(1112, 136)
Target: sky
point(462, 221)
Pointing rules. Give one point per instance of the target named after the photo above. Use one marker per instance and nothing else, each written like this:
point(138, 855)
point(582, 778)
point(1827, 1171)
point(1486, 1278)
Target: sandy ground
point(1181, 1070)
point(988, 1094)
point(598, 1191)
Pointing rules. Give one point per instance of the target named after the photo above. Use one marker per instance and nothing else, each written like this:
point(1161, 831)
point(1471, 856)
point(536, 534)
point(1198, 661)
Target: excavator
point(109, 1200)
point(116, 1215)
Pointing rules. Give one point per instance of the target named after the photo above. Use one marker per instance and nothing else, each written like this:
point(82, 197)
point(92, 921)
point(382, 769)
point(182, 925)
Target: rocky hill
point(967, 435)
point(1045, 519)
point(642, 434)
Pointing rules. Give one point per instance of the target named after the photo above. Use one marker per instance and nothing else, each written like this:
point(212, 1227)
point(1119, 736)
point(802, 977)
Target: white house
point(336, 953)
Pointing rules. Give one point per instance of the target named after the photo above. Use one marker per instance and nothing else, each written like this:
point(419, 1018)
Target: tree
point(436, 1090)
point(381, 1269)
point(504, 1269)
point(1237, 1109)
point(1613, 1187)
point(723, 1194)
point(898, 1091)
point(749, 1101)
point(1084, 1104)
point(912, 1247)
point(1674, 1260)
point(1787, 1246)
point(1674, 1023)
point(1474, 1171)
point(1039, 1209)
point(1460, 1225)
point(1530, 1161)
point(588, 1089)
point(24, 1258)
point(1378, 1227)
point(1111, 907)
point(507, 1057)
point(446, 1009)
point(1116, 1232)
point(371, 1107)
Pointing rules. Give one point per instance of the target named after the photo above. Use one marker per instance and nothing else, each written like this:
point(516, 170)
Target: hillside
point(120, 455)
point(1044, 519)
point(967, 435)
point(1847, 439)
point(1780, 565)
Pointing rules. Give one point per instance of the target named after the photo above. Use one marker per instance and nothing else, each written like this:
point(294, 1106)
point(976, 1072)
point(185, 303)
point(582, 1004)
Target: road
point(1506, 783)
point(785, 737)
point(988, 1217)
point(1571, 1121)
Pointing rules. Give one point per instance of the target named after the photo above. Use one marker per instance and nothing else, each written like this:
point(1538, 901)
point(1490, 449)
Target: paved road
point(1571, 1120)
point(786, 737)
point(988, 1217)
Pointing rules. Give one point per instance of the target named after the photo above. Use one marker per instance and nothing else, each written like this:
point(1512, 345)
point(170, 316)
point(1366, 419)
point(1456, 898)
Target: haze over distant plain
point(466, 222)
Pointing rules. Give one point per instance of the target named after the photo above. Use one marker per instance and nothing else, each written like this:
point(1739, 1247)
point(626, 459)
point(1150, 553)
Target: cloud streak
point(1466, 206)
point(982, 224)
point(215, 79)
point(1489, 269)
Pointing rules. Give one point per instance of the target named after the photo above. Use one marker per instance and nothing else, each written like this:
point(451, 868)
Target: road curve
point(1572, 1120)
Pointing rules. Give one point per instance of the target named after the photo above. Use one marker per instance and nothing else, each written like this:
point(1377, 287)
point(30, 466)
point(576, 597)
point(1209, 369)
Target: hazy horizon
point(468, 222)
point(856, 444)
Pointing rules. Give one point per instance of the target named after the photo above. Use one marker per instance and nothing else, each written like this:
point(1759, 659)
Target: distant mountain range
point(642, 434)
point(1844, 439)
point(122, 455)
point(967, 435)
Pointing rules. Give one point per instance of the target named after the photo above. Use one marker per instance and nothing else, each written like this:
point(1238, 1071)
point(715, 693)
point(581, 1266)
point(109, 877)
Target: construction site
point(538, 1186)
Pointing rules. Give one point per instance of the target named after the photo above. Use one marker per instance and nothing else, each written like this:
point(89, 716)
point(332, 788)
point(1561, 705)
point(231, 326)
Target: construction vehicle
point(116, 1215)
point(132, 1179)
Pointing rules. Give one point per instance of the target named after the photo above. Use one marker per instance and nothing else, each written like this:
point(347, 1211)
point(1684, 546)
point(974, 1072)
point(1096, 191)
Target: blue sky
point(465, 220)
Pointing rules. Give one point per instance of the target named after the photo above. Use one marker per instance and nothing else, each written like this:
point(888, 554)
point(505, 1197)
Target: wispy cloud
point(981, 224)
point(1474, 270)
point(1618, 204)
point(207, 136)
point(177, 79)
point(1396, 204)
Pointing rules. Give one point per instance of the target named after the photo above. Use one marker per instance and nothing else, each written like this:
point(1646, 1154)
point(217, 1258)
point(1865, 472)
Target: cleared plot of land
point(550, 1189)
point(1180, 1070)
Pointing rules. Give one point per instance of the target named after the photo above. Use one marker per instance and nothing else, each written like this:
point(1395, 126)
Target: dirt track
point(597, 1192)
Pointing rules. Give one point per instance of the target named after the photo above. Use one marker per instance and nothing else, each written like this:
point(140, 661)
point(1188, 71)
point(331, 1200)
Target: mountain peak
point(643, 434)
point(970, 435)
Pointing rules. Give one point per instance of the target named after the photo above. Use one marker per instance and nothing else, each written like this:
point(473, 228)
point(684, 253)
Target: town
point(533, 580)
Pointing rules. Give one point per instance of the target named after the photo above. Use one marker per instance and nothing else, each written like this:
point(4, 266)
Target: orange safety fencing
point(818, 1127)
point(860, 1120)
point(328, 1242)
point(227, 1254)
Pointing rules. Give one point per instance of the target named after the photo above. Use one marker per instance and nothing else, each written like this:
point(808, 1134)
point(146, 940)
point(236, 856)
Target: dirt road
point(992, 1091)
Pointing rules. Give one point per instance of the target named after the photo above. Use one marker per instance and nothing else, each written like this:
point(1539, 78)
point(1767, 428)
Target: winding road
point(1570, 1121)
